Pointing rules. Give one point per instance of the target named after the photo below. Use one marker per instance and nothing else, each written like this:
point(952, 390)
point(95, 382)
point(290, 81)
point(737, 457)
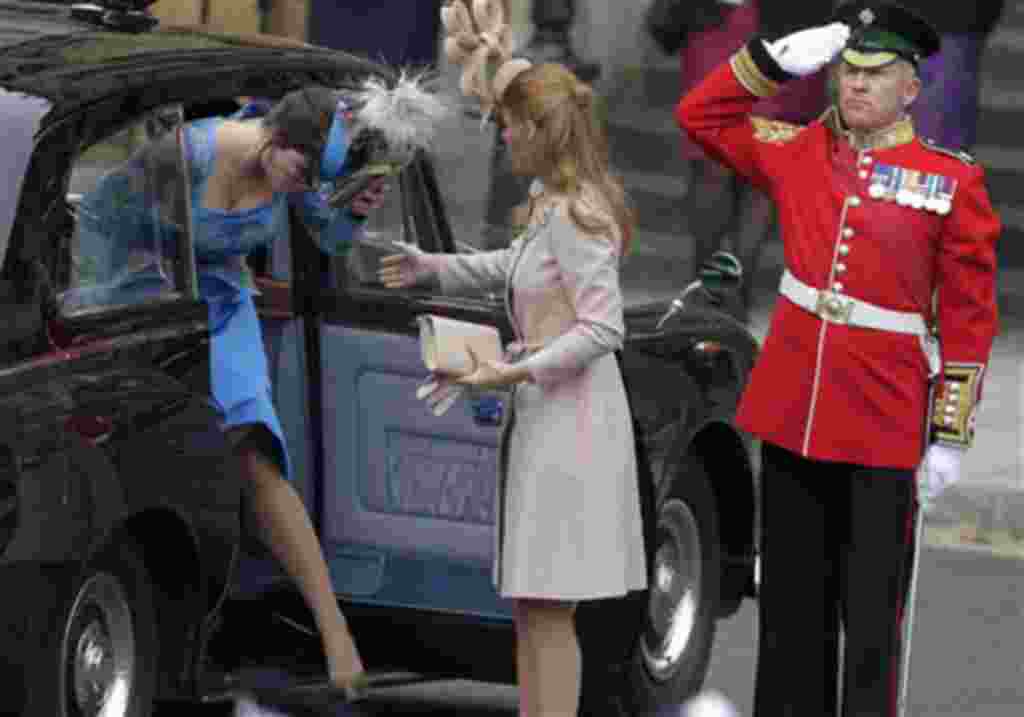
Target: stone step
point(1013, 15)
point(657, 211)
point(646, 141)
point(1003, 56)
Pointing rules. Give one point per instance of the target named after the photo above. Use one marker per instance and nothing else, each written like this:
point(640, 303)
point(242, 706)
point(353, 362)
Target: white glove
point(440, 393)
point(939, 470)
point(807, 51)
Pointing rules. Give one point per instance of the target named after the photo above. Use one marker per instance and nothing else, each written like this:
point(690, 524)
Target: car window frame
point(186, 289)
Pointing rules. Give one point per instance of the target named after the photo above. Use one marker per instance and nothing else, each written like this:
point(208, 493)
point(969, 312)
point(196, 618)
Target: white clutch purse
point(444, 342)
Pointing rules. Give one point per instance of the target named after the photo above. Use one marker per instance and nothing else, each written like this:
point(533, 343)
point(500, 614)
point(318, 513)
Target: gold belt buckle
point(833, 307)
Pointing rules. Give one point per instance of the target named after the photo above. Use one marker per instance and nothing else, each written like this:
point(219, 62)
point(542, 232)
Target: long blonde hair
point(569, 151)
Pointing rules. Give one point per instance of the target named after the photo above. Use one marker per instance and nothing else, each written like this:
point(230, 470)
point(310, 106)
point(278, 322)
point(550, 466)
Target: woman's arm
point(482, 271)
point(589, 265)
point(333, 230)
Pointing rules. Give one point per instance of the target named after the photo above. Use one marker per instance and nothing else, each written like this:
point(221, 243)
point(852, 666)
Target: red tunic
point(837, 392)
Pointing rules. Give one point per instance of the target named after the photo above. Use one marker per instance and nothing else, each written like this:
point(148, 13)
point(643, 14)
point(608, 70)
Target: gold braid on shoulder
point(477, 38)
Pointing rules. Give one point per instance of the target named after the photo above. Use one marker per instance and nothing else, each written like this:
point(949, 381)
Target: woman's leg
point(551, 683)
point(525, 667)
point(285, 528)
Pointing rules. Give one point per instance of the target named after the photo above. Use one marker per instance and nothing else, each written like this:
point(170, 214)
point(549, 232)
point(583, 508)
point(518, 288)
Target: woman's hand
point(492, 374)
point(400, 271)
point(370, 198)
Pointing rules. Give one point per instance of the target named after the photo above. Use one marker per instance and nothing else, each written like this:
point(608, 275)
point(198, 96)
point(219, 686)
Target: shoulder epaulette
point(954, 153)
point(774, 131)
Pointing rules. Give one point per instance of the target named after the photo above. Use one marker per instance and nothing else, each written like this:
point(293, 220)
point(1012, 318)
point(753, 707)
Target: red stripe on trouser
point(908, 539)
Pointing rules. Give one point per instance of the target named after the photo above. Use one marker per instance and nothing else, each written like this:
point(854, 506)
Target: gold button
point(848, 233)
point(844, 250)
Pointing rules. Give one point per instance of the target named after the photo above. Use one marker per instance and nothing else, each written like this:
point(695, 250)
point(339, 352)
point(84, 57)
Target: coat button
point(854, 201)
point(863, 174)
point(840, 268)
point(844, 250)
point(866, 159)
point(837, 286)
point(848, 233)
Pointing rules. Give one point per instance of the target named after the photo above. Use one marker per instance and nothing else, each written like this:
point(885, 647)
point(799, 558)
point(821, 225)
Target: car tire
point(629, 665)
point(671, 656)
point(97, 657)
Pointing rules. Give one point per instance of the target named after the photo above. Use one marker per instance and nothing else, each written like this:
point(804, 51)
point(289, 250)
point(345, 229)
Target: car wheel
point(99, 656)
point(671, 656)
point(651, 649)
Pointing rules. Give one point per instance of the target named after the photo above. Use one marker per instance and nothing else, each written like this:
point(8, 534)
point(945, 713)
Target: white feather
point(407, 115)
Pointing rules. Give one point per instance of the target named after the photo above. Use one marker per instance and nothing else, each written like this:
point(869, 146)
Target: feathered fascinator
point(477, 38)
point(378, 129)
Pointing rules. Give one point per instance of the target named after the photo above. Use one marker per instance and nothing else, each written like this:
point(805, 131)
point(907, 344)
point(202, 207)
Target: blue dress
point(120, 222)
point(239, 374)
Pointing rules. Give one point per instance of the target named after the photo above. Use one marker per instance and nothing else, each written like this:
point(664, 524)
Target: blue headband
point(332, 161)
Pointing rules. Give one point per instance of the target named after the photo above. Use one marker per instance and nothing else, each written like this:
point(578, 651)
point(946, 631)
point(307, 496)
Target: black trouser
point(836, 552)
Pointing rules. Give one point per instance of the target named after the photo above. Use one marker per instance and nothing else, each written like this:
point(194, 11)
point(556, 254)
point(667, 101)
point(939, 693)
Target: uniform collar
point(899, 132)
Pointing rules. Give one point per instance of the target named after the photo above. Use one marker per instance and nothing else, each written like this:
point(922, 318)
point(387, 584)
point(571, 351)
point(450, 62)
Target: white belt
point(840, 309)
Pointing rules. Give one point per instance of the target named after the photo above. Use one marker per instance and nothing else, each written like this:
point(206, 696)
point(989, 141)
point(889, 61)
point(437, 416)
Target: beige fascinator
point(477, 38)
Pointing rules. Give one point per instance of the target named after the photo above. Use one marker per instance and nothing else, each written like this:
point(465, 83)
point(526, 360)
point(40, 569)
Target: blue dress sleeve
point(332, 229)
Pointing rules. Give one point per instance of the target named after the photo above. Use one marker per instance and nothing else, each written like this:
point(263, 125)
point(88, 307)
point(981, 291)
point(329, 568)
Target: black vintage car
point(127, 573)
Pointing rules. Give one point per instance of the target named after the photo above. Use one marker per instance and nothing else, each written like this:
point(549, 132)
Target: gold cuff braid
point(955, 404)
point(750, 76)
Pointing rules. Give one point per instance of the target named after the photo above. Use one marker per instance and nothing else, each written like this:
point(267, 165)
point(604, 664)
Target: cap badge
point(867, 16)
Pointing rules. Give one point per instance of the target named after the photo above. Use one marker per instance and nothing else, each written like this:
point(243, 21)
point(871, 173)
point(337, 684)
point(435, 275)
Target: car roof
point(45, 51)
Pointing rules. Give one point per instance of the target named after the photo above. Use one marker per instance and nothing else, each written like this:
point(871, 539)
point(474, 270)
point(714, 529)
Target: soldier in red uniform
point(890, 255)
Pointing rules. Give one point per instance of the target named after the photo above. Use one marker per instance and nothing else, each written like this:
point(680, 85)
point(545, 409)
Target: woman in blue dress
point(243, 173)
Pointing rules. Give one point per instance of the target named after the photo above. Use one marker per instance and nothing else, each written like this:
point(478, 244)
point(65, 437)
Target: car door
point(105, 420)
point(406, 500)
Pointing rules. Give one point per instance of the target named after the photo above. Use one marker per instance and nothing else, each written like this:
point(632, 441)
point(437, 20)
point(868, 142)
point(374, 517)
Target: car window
point(127, 196)
point(383, 226)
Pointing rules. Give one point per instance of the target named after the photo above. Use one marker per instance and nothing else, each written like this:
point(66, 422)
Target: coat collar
point(899, 132)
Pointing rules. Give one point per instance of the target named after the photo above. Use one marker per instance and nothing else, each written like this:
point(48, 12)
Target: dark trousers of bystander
point(836, 554)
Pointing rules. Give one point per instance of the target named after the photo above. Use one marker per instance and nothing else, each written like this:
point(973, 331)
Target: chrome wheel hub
point(675, 592)
point(99, 650)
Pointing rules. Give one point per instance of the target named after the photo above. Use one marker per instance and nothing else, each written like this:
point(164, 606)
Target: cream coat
point(569, 524)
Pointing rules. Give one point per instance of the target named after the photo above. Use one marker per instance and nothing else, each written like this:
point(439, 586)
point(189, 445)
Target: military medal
point(883, 180)
point(907, 187)
point(912, 188)
point(919, 192)
point(931, 201)
point(946, 187)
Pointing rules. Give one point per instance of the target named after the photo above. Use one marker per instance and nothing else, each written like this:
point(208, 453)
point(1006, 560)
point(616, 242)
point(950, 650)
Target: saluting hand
point(805, 52)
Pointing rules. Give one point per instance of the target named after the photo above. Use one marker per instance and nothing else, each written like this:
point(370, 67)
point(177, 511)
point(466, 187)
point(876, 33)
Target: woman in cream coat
point(569, 521)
